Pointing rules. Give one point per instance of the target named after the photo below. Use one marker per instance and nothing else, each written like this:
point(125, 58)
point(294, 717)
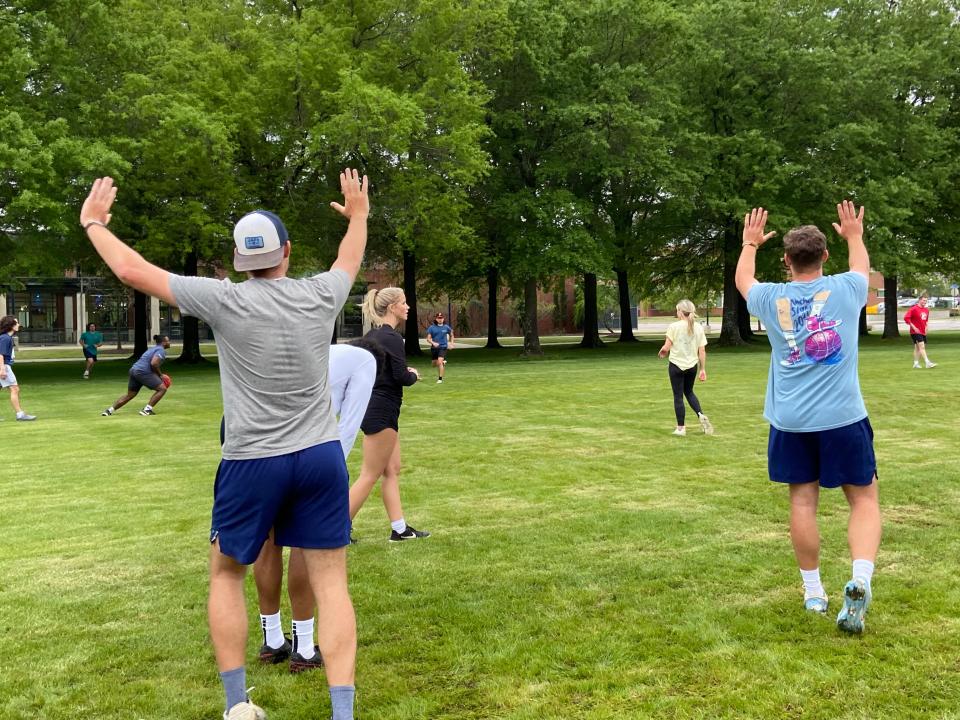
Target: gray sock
point(235, 686)
point(341, 702)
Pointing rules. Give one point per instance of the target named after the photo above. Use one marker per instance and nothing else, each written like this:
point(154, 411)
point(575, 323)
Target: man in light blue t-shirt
point(820, 435)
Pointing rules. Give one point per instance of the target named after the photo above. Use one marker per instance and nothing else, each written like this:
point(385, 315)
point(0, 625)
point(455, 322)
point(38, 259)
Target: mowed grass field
point(584, 563)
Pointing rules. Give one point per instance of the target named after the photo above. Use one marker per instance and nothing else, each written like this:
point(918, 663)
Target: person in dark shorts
point(916, 319)
point(820, 435)
point(282, 466)
point(90, 341)
point(440, 337)
point(145, 373)
point(385, 309)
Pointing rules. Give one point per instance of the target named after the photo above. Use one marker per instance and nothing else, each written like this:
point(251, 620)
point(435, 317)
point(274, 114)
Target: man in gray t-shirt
point(282, 463)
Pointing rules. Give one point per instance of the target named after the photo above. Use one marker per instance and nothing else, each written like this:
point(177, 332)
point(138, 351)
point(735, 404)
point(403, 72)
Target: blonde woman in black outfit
point(385, 309)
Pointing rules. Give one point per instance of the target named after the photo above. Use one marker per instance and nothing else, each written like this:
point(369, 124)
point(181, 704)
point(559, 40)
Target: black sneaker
point(408, 534)
point(272, 656)
point(298, 663)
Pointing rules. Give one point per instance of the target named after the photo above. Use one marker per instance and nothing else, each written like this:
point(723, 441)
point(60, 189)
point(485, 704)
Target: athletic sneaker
point(26, 418)
point(931, 364)
point(916, 366)
point(86, 375)
point(706, 425)
point(245, 711)
point(408, 534)
point(272, 656)
point(680, 431)
point(107, 413)
point(439, 381)
point(147, 411)
point(298, 663)
point(856, 600)
point(815, 603)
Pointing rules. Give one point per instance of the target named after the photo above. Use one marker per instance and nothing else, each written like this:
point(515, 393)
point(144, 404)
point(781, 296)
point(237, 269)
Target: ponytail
point(689, 312)
point(375, 304)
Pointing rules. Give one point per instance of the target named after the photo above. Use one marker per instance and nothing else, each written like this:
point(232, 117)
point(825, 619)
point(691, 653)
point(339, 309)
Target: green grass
point(584, 562)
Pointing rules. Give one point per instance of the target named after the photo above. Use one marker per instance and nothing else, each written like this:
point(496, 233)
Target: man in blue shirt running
point(820, 435)
point(437, 335)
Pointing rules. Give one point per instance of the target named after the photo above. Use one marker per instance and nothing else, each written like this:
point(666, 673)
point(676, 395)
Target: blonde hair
point(375, 305)
point(689, 311)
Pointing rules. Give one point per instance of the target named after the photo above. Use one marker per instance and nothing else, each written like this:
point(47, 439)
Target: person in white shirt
point(352, 373)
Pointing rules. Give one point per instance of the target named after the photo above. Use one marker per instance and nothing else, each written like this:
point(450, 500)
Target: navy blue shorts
point(841, 456)
point(89, 355)
point(918, 338)
point(304, 496)
point(438, 352)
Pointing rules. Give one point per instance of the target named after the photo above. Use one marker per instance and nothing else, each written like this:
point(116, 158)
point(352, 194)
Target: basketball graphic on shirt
point(822, 345)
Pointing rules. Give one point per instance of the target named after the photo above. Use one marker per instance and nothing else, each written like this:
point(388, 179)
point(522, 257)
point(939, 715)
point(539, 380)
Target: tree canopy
point(513, 141)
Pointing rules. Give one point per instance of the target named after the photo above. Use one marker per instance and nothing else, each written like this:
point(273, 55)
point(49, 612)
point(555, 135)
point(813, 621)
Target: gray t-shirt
point(273, 340)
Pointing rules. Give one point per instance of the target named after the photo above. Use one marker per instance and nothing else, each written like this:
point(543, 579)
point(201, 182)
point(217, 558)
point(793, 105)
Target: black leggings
point(682, 383)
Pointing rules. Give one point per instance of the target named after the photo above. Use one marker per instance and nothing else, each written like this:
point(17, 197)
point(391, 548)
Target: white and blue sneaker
point(815, 603)
point(856, 600)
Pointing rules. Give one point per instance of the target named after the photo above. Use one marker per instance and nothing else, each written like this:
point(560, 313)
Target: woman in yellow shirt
point(686, 344)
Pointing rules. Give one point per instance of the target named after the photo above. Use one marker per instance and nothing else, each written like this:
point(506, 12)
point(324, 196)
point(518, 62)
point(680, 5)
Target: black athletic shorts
point(918, 338)
point(437, 352)
point(382, 414)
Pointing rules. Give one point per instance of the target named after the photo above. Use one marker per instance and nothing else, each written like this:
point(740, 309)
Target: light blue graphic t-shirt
point(813, 329)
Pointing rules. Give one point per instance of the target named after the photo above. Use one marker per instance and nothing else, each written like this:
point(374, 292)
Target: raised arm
point(850, 228)
point(753, 237)
point(127, 264)
point(356, 208)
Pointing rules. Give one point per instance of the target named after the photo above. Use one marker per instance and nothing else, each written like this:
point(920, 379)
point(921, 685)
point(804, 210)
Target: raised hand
point(96, 208)
point(356, 202)
point(851, 223)
point(753, 225)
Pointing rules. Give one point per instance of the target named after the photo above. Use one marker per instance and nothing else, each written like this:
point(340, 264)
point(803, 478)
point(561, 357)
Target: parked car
point(906, 302)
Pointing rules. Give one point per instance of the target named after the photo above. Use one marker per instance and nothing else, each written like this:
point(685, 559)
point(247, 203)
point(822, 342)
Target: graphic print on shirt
point(822, 343)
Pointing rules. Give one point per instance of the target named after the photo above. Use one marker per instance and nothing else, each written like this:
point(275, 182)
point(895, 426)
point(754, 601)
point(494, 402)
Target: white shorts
point(9, 380)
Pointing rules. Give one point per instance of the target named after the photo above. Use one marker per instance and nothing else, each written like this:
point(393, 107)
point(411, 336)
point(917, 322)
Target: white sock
point(302, 631)
point(272, 631)
point(399, 525)
point(863, 569)
point(812, 586)
point(21, 413)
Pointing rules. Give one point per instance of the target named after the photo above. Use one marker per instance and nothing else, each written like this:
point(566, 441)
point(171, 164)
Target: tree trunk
point(591, 335)
point(531, 329)
point(140, 324)
point(890, 327)
point(730, 327)
point(191, 326)
point(863, 321)
point(743, 319)
point(493, 288)
point(626, 319)
point(411, 335)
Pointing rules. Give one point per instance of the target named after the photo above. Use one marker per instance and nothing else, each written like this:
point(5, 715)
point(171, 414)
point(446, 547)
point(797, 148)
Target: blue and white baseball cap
point(259, 237)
